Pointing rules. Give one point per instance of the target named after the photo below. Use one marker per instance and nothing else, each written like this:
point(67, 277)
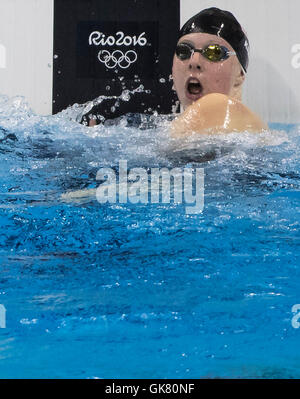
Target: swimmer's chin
point(216, 113)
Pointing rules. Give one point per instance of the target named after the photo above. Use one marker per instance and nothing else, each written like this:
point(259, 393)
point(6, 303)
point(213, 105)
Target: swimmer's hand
point(93, 122)
point(216, 113)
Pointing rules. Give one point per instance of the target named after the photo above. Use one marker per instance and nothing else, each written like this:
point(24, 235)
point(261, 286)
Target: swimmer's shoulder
point(214, 113)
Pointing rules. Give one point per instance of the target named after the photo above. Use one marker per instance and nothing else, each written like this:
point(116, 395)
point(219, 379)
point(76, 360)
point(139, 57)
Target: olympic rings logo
point(111, 60)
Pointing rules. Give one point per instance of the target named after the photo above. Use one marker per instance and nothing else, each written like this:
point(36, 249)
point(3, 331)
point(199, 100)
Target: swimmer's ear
point(236, 91)
point(240, 78)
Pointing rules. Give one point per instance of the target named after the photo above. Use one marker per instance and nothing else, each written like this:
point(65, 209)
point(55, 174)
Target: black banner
point(103, 47)
point(145, 388)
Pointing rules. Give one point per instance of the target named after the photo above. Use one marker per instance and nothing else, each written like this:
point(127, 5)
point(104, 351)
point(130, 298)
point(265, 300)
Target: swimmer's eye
point(213, 52)
point(184, 51)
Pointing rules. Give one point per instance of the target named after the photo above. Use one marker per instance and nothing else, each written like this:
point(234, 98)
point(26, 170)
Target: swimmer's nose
point(195, 61)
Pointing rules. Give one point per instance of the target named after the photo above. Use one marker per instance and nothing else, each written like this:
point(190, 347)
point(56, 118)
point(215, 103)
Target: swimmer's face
point(197, 76)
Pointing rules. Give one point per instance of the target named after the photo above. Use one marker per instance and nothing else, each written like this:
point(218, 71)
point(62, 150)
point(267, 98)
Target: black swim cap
point(221, 23)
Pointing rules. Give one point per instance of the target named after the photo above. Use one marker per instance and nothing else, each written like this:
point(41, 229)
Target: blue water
point(145, 290)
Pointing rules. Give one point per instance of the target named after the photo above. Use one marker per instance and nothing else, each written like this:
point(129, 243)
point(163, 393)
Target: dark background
point(79, 76)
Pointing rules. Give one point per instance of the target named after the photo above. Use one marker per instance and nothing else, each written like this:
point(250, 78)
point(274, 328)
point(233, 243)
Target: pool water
point(145, 290)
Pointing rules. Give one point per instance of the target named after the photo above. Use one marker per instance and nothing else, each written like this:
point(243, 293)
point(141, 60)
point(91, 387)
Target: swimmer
point(209, 69)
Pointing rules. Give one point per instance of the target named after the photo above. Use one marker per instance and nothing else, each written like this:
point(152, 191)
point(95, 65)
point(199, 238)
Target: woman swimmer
point(209, 68)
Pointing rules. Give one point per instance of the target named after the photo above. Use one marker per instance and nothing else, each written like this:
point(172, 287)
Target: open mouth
point(194, 88)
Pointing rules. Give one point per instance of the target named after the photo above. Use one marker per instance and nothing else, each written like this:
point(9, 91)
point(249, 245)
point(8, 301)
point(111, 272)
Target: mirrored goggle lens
point(215, 53)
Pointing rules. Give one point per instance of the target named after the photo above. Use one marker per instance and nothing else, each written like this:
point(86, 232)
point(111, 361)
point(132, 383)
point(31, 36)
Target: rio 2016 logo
point(98, 38)
point(117, 57)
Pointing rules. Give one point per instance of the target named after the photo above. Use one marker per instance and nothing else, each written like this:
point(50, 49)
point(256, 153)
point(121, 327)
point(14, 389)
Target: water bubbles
point(139, 89)
point(175, 107)
point(162, 80)
point(27, 321)
point(125, 96)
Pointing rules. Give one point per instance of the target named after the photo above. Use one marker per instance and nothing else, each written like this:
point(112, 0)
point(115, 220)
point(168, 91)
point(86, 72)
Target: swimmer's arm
point(78, 195)
point(215, 113)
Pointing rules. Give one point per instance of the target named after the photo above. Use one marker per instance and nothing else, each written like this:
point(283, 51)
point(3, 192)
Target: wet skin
point(210, 92)
point(225, 77)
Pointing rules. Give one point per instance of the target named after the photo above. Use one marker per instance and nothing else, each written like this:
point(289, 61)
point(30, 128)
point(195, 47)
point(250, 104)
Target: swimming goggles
point(212, 52)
